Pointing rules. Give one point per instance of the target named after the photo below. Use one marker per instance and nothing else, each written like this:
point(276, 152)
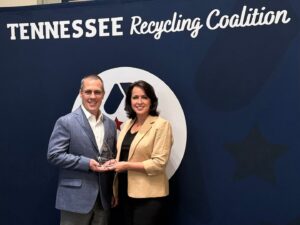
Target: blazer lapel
point(141, 133)
point(81, 118)
point(106, 128)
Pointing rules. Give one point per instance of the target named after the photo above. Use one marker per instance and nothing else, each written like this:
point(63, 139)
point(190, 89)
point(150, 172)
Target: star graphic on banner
point(118, 123)
point(255, 156)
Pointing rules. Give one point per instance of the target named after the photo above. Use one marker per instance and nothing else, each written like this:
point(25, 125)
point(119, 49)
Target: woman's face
point(140, 102)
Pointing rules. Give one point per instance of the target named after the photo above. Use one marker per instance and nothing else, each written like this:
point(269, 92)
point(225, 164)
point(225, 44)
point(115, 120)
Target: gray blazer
point(71, 146)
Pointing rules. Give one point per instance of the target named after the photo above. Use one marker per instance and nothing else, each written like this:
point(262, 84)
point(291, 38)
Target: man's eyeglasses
point(90, 92)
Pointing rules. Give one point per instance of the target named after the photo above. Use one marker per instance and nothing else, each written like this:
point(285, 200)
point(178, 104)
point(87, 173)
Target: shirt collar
point(89, 115)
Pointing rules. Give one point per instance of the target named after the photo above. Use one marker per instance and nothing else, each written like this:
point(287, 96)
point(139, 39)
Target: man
point(80, 142)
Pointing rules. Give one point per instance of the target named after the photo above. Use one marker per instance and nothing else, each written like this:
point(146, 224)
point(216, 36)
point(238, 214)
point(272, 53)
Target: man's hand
point(96, 167)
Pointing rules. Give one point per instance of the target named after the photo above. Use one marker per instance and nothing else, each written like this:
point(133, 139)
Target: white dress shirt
point(96, 125)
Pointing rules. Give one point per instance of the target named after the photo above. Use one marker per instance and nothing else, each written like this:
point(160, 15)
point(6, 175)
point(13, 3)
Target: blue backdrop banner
point(227, 77)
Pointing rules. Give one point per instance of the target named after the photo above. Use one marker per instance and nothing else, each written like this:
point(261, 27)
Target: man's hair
point(91, 76)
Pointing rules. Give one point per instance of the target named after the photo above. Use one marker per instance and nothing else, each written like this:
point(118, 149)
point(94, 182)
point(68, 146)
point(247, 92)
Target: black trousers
point(145, 211)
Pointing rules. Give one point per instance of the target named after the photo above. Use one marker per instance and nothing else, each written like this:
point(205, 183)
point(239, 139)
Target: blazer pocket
point(71, 182)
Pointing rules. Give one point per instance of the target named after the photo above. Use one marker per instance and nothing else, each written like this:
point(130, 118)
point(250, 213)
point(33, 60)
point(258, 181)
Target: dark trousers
point(97, 216)
point(145, 211)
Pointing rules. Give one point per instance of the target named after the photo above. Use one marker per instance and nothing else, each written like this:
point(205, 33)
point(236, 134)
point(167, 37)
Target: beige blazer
point(151, 145)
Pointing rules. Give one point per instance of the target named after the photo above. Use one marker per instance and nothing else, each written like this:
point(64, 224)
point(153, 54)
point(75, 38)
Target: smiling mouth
point(92, 102)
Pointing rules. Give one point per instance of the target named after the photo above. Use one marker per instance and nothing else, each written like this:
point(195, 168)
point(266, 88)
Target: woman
point(144, 145)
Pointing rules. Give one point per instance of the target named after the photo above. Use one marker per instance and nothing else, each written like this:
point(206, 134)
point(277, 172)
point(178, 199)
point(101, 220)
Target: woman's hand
point(120, 166)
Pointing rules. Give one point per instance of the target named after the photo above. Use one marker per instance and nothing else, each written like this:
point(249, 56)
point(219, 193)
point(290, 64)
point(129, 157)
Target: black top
point(126, 145)
point(122, 177)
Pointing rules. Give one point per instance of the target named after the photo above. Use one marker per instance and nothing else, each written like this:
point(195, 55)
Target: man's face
point(92, 94)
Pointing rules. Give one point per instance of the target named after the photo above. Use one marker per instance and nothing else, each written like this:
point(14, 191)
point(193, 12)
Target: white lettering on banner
point(51, 29)
point(24, 31)
point(177, 24)
point(248, 17)
point(90, 26)
point(37, 31)
point(106, 27)
point(77, 27)
point(66, 29)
